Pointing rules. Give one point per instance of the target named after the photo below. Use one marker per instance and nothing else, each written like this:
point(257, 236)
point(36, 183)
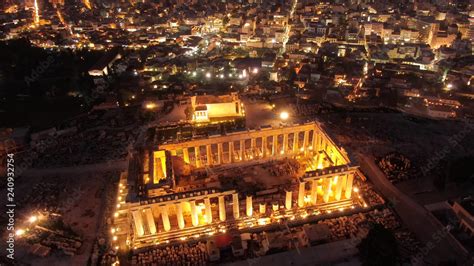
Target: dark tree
point(461, 169)
point(379, 247)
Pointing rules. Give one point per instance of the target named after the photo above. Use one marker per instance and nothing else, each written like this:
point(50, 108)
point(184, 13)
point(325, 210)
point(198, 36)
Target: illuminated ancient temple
point(240, 180)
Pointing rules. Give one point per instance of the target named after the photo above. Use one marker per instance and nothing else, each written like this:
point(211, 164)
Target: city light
point(33, 219)
point(448, 87)
point(36, 12)
point(87, 3)
point(198, 157)
point(284, 115)
point(150, 106)
point(20, 232)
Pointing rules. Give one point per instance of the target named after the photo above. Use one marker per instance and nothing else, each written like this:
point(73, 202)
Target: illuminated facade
point(156, 206)
point(209, 108)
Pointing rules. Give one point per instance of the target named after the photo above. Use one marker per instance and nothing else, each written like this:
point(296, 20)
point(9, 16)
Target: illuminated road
point(288, 28)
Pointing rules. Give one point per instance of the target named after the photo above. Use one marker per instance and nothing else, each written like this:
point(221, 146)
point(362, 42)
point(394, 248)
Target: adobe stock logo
point(39, 70)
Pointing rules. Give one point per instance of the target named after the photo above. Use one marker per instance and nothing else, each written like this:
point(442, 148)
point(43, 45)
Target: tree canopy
point(379, 247)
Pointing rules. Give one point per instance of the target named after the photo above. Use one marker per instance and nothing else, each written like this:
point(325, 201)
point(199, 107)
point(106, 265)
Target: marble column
point(150, 220)
point(231, 152)
point(194, 214)
point(138, 221)
point(165, 218)
point(235, 205)
point(222, 213)
point(274, 145)
point(186, 155)
point(179, 214)
point(326, 189)
point(305, 142)
point(275, 206)
point(314, 191)
point(301, 192)
point(249, 207)
point(344, 181)
point(219, 153)
point(321, 156)
point(242, 150)
point(209, 154)
point(315, 138)
point(295, 142)
point(288, 199)
point(285, 143)
point(207, 204)
point(264, 146)
point(197, 154)
point(338, 188)
point(350, 179)
point(253, 148)
point(319, 144)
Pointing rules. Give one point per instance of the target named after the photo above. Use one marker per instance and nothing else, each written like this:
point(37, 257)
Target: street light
point(33, 219)
point(284, 115)
point(19, 232)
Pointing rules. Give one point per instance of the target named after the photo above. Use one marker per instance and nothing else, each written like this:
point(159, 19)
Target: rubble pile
point(395, 166)
point(174, 255)
point(45, 197)
point(351, 226)
point(285, 167)
point(408, 244)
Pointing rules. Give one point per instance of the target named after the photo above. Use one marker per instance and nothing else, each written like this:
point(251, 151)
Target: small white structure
point(209, 107)
point(213, 251)
point(443, 112)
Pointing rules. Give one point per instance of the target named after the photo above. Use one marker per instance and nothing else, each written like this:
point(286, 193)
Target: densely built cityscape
point(237, 132)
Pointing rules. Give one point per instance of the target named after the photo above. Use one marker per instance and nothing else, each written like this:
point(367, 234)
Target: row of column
point(140, 224)
point(241, 154)
point(341, 182)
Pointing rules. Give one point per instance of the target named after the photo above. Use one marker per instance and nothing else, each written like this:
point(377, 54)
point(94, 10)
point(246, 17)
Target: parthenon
point(180, 188)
